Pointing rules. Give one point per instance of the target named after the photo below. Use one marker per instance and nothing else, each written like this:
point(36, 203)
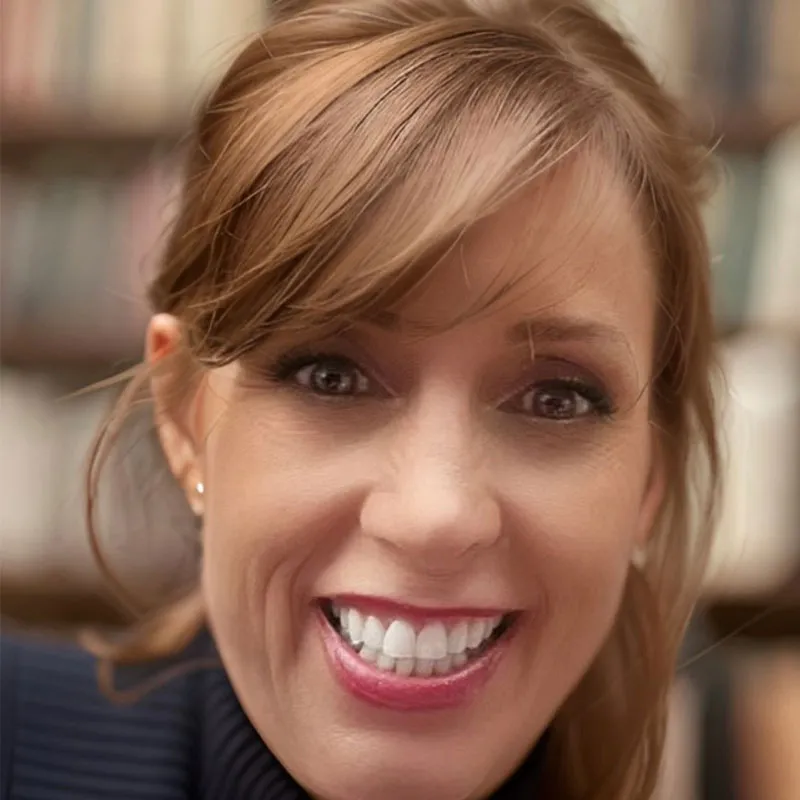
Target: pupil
point(556, 404)
point(331, 380)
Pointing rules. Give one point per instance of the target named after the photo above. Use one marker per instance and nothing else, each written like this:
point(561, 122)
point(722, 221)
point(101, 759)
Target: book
point(781, 77)
point(212, 39)
point(662, 31)
point(729, 47)
point(16, 34)
point(83, 243)
point(126, 64)
point(757, 549)
point(775, 295)
point(738, 208)
point(28, 470)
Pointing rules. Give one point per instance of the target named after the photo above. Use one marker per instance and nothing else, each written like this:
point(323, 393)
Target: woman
point(429, 360)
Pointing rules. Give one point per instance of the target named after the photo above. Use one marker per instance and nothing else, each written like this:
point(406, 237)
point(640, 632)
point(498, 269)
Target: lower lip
point(389, 690)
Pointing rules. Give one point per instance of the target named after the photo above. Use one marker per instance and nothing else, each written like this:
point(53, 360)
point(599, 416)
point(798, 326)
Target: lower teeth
point(419, 667)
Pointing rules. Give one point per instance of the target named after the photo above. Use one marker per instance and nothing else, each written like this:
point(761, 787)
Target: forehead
point(573, 243)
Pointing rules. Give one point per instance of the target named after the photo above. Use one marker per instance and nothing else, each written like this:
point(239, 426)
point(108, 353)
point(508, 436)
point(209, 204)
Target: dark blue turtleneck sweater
point(60, 739)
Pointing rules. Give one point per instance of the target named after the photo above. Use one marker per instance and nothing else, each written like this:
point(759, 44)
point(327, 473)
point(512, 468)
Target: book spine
point(46, 49)
point(67, 72)
point(745, 46)
point(11, 191)
point(149, 37)
point(16, 35)
point(84, 270)
point(775, 296)
point(733, 270)
point(213, 38)
point(781, 69)
point(110, 58)
point(661, 31)
point(139, 64)
point(51, 282)
point(85, 57)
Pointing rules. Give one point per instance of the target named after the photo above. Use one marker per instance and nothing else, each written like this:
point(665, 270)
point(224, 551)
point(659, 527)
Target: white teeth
point(436, 649)
point(384, 662)
point(476, 633)
point(443, 665)
point(353, 624)
point(373, 634)
point(400, 640)
point(405, 666)
point(423, 667)
point(457, 639)
point(432, 641)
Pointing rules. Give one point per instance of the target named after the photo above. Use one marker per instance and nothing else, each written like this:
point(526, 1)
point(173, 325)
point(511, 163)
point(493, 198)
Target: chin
point(396, 737)
point(381, 770)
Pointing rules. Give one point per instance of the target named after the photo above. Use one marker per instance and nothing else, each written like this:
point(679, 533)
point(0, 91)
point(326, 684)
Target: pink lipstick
point(410, 659)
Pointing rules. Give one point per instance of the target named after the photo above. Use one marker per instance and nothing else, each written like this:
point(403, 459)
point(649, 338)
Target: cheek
point(580, 525)
point(279, 498)
point(582, 517)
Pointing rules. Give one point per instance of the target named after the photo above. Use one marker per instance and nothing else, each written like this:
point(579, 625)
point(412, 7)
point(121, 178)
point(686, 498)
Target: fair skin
point(463, 473)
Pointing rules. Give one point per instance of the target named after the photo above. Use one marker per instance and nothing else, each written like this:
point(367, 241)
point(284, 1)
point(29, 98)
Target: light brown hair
point(352, 139)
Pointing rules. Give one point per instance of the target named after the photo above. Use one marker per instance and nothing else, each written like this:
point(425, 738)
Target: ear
point(175, 392)
point(654, 493)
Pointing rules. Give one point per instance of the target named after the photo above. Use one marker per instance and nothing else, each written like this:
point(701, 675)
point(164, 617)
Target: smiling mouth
point(433, 649)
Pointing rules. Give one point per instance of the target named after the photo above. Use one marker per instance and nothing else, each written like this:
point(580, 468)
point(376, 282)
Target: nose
point(433, 506)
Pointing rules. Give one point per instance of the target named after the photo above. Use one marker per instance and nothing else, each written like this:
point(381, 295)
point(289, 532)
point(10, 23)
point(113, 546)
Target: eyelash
point(287, 367)
point(599, 403)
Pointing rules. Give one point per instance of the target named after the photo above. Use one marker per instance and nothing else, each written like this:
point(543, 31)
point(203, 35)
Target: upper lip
point(384, 606)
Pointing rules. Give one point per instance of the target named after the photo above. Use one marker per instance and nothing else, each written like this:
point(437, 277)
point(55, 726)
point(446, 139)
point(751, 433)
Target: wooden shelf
point(774, 616)
point(27, 132)
point(51, 354)
point(59, 607)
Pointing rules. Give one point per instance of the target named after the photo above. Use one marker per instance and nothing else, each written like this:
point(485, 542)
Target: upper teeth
point(395, 644)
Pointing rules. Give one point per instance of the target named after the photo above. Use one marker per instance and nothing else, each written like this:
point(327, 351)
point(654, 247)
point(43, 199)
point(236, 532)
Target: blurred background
point(95, 96)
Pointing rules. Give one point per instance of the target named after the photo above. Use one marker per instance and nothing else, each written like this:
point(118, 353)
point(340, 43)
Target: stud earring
point(639, 556)
point(196, 502)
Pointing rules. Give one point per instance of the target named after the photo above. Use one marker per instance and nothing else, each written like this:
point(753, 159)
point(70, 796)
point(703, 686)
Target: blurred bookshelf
point(95, 99)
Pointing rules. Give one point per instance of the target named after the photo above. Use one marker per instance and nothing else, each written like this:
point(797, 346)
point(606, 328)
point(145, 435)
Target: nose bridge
point(435, 446)
point(436, 439)
point(435, 502)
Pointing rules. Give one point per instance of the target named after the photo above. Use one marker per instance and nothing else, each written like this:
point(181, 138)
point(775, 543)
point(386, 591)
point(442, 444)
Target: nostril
point(438, 529)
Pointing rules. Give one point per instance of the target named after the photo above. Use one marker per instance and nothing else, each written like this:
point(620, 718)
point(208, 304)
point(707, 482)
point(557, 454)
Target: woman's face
point(414, 546)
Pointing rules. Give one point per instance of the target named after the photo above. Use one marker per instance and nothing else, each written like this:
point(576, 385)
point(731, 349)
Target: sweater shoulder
point(60, 736)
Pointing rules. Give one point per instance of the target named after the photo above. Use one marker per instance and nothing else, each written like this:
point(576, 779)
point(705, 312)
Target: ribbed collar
point(235, 764)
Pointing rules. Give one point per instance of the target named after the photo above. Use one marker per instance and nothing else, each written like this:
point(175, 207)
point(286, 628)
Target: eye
point(562, 401)
point(328, 375)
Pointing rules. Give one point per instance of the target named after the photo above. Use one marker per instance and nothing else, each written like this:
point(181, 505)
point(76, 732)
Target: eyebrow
point(543, 329)
point(566, 329)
